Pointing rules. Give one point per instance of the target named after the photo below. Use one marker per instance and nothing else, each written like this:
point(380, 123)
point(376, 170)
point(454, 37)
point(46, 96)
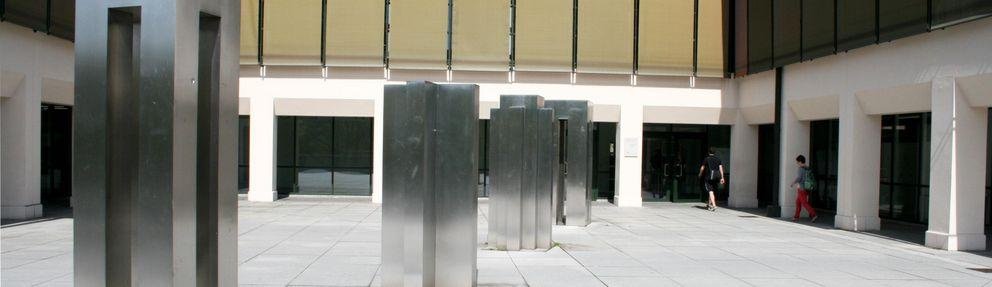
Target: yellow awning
point(291, 32)
point(544, 35)
point(354, 33)
point(664, 42)
point(418, 34)
point(709, 62)
point(481, 35)
point(249, 32)
point(606, 36)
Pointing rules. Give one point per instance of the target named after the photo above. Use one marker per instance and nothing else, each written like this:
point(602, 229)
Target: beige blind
point(606, 36)
point(664, 42)
point(418, 34)
point(544, 35)
point(291, 32)
point(481, 35)
point(249, 32)
point(354, 33)
point(710, 47)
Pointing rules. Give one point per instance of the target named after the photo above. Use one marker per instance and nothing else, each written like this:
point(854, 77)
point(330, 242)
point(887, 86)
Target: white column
point(262, 149)
point(628, 161)
point(795, 141)
point(377, 122)
point(21, 151)
point(743, 164)
point(957, 170)
point(858, 167)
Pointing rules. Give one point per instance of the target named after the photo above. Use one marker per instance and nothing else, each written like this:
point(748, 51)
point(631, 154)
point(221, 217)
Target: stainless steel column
point(430, 205)
point(578, 170)
point(524, 162)
point(155, 131)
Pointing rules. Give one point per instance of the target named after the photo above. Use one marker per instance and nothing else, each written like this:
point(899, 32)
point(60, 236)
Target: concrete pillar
point(377, 124)
point(957, 170)
point(743, 164)
point(262, 149)
point(858, 167)
point(21, 149)
point(630, 131)
point(795, 141)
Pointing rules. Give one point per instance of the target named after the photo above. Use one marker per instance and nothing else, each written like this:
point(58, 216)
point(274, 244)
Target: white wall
point(34, 68)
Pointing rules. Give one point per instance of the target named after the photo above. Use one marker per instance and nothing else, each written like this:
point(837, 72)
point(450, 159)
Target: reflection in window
point(905, 170)
point(324, 155)
point(823, 139)
point(243, 136)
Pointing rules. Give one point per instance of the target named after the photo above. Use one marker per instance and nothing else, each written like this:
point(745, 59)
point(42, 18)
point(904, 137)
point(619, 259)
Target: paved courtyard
point(335, 242)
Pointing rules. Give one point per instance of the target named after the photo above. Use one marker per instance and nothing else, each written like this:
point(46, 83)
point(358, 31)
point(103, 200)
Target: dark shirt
point(712, 163)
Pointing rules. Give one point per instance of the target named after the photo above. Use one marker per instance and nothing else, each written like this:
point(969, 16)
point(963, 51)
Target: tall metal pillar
point(524, 167)
point(578, 170)
point(429, 199)
point(155, 201)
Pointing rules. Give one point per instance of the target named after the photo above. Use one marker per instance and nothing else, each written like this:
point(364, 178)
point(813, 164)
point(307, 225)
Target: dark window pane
point(947, 12)
point(243, 136)
point(242, 179)
point(818, 28)
point(63, 19)
point(286, 180)
point(740, 37)
point(352, 142)
point(901, 18)
point(483, 135)
point(855, 24)
point(787, 32)
point(286, 141)
point(352, 182)
point(28, 13)
point(313, 180)
point(313, 141)
point(759, 32)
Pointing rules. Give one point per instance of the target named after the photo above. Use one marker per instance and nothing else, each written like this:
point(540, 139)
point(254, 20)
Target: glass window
point(818, 28)
point(855, 24)
point(901, 18)
point(823, 162)
point(324, 155)
point(352, 142)
point(243, 151)
point(905, 168)
point(313, 141)
point(948, 12)
point(759, 32)
point(787, 32)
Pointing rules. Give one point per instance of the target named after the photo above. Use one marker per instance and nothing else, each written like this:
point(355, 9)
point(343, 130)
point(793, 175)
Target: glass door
point(686, 153)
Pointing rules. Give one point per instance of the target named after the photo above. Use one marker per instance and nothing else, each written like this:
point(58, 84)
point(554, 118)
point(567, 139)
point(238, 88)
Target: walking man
point(711, 172)
point(802, 195)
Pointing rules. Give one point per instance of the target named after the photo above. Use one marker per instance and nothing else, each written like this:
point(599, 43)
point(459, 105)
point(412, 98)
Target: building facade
point(894, 116)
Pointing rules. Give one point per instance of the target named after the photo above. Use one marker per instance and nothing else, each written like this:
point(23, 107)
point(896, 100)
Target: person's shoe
point(813, 219)
point(794, 219)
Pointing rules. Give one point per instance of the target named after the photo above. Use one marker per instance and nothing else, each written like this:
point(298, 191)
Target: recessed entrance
point(673, 154)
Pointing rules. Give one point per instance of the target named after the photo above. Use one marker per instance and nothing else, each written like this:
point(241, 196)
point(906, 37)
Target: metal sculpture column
point(154, 198)
point(524, 166)
point(429, 203)
point(577, 171)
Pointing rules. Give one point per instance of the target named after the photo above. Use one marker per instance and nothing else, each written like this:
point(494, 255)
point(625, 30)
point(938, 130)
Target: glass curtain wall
point(905, 172)
point(988, 174)
point(604, 159)
point(823, 145)
point(324, 155)
point(243, 136)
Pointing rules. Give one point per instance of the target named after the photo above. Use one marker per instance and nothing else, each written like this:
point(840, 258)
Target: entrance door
point(685, 153)
point(672, 167)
